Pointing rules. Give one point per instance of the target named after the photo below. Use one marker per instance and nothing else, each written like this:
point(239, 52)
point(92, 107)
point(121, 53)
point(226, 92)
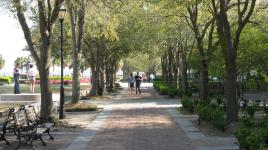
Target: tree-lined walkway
point(140, 122)
point(145, 122)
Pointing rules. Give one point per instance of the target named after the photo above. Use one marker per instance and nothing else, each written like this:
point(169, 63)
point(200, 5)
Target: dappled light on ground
point(144, 128)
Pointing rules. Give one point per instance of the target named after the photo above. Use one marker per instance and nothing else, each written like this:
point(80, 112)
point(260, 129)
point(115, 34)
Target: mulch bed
point(209, 130)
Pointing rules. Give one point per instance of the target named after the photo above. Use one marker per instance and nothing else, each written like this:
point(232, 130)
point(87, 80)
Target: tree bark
point(199, 36)
point(229, 49)
point(47, 19)
point(94, 82)
point(170, 60)
point(164, 68)
point(184, 68)
point(77, 26)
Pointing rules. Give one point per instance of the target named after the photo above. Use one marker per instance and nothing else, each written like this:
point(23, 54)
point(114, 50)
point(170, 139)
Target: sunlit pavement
point(145, 121)
point(143, 84)
point(135, 122)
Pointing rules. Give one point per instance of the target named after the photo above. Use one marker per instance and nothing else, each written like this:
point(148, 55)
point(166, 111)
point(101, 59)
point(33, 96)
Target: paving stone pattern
point(140, 124)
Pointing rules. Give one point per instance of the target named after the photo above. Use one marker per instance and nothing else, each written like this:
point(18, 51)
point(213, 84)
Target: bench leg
point(3, 138)
point(25, 140)
point(41, 139)
point(31, 141)
point(39, 136)
point(50, 136)
point(18, 146)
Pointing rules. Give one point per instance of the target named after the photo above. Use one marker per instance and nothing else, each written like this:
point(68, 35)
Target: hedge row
point(213, 113)
point(163, 89)
point(253, 133)
point(6, 80)
point(57, 78)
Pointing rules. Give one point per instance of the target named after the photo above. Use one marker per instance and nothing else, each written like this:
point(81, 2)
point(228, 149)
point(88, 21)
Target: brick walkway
point(139, 123)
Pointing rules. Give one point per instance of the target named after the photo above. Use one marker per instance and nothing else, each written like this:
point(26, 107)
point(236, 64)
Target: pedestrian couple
point(137, 80)
point(31, 77)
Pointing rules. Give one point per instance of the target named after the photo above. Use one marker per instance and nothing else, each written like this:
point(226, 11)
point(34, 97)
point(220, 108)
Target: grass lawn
point(80, 107)
point(5, 89)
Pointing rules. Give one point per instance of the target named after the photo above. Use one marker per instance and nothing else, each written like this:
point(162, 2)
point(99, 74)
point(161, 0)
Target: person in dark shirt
point(16, 75)
point(138, 80)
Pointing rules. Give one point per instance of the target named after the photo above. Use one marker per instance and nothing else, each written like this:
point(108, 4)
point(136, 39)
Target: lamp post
point(62, 13)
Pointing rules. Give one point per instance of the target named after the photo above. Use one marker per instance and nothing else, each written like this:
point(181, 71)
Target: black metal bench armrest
point(47, 120)
point(28, 129)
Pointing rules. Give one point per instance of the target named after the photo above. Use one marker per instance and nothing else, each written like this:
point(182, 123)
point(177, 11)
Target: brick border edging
point(194, 133)
point(85, 136)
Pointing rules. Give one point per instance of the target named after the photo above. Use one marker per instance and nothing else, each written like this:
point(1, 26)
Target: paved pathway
point(143, 122)
point(139, 123)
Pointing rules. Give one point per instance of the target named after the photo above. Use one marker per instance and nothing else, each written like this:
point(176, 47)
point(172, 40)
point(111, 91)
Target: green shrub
point(253, 137)
point(241, 134)
point(220, 124)
point(213, 113)
point(6, 80)
point(218, 119)
point(213, 105)
point(163, 90)
point(264, 134)
point(247, 122)
point(251, 110)
point(158, 78)
point(57, 78)
point(204, 113)
point(172, 92)
point(157, 85)
point(253, 141)
point(265, 110)
point(187, 104)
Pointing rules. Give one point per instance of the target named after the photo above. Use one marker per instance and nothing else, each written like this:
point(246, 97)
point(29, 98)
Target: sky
point(11, 41)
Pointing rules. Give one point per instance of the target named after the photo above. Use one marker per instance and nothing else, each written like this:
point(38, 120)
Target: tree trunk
point(47, 18)
point(101, 83)
point(46, 92)
point(204, 81)
point(165, 68)
point(76, 45)
point(76, 78)
point(203, 72)
point(184, 68)
point(175, 84)
point(170, 61)
point(94, 82)
point(230, 92)
point(109, 78)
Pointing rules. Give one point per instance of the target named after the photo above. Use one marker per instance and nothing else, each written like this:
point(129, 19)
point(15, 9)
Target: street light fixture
point(61, 16)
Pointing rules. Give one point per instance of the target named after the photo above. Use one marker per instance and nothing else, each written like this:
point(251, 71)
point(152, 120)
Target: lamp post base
point(62, 112)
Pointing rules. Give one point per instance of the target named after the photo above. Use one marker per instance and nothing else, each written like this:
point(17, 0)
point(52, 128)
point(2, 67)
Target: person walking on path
point(138, 80)
point(16, 76)
point(31, 78)
point(131, 81)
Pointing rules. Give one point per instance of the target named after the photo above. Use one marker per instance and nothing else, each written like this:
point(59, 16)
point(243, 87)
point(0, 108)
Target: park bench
point(253, 98)
point(23, 131)
point(41, 122)
point(28, 130)
point(5, 125)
